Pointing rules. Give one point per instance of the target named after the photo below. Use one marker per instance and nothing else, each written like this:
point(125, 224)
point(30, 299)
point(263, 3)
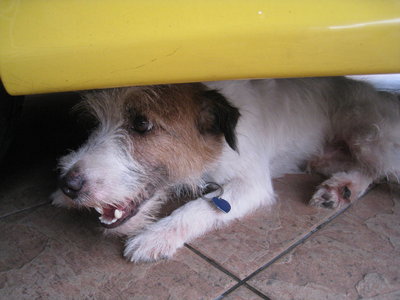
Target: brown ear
point(218, 116)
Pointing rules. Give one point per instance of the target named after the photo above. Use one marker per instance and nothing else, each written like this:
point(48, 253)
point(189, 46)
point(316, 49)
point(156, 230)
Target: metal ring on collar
point(212, 188)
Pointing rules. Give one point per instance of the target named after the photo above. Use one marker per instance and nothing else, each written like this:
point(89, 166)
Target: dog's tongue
point(108, 212)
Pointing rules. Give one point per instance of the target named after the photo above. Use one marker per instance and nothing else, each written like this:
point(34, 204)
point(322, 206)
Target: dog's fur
point(157, 142)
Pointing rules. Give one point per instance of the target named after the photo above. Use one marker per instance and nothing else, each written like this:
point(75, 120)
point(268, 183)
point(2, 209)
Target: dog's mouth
point(114, 216)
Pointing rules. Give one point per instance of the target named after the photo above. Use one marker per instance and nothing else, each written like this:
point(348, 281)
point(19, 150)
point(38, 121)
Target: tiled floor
point(290, 251)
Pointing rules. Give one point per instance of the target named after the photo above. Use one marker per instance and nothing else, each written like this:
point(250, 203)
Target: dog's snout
point(72, 183)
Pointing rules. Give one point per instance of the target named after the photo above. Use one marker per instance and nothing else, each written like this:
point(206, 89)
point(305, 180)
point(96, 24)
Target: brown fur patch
point(175, 142)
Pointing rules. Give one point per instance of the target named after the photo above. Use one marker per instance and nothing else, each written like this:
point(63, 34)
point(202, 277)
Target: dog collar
point(211, 192)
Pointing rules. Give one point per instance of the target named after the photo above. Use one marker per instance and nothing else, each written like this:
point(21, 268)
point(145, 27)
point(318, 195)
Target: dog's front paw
point(331, 194)
point(153, 244)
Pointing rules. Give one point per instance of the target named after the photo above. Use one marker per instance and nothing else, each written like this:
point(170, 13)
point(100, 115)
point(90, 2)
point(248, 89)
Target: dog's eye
point(141, 125)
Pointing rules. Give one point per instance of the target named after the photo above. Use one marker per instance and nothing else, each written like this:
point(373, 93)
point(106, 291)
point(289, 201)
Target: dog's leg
point(161, 239)
point(341, 188)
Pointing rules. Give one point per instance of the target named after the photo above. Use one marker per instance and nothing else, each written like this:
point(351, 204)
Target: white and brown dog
point(159, 142)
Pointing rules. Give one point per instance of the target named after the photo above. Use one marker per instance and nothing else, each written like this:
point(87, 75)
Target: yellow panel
point(48, 46)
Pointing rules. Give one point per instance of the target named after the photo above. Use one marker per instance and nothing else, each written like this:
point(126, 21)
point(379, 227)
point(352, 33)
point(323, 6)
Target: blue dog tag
point(221, 204)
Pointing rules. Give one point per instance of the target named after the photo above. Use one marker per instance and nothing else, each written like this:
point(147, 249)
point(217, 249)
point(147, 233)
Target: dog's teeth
point(104, 220)
point(99, 209)
point(117, 214)
point(108, 222)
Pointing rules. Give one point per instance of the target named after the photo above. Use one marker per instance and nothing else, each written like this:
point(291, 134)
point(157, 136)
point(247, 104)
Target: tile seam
point(303, 239)
point(256, 291)
point(212, 262)
point(24, 209)
point(238, 285)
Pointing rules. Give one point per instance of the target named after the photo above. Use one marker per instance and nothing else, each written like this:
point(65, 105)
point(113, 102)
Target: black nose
point(71, 183)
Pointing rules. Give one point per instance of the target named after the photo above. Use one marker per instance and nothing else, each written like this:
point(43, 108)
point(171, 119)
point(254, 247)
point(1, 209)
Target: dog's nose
point(71, 183)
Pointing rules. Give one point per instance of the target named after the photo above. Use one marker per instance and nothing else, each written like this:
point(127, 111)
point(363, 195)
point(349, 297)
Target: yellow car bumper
point(51, 46)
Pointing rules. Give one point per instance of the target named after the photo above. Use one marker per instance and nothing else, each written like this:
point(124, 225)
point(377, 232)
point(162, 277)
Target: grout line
point(300, 241)
point(212, 262)
point(255, 291)
point(280, 255)
point(228, 291)
point(225, 271)
point(239, 284)
point(24, 209)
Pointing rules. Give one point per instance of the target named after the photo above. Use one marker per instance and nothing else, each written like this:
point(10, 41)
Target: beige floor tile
point(355, 256)
point(51, 254)
point(250, 243)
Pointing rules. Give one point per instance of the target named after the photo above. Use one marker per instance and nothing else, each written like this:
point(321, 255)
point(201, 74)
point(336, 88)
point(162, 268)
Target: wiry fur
point(341, 128)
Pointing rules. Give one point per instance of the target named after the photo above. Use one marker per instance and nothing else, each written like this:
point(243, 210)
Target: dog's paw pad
point(331, 196)
point(328, 204)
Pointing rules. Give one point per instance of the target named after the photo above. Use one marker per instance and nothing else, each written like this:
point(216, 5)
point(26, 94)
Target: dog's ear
point(218, 116)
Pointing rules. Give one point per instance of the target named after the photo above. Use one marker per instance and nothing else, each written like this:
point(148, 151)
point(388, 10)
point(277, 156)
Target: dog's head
point(148, 140)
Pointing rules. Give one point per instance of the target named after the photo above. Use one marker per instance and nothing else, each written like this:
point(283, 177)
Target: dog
point(221, 144)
